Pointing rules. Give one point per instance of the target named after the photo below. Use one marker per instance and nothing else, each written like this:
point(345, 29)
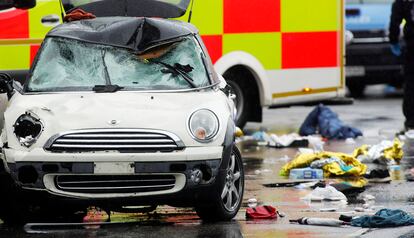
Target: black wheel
point(241, 103)
point(226, 200)
point(356, 88)
point(14, 209)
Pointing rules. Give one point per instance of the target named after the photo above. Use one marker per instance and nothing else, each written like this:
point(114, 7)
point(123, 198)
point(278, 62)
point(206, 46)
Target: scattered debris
point(320, 221)
point(306, 173)
point(330, 162)
point(328, 193)
point(350, 141)
point(95, 215)
point(384, 218)
point(281, 214)
point(350, 191)
point(262, 171)
point(238, 132)
point(329, 209)
point(261, 212)
point(252, 202)
point(395, 172)
point(284, 184)
point(378, 176)
point(307, 185)
point(387, 152)
point(324, 121)
point(276, 141)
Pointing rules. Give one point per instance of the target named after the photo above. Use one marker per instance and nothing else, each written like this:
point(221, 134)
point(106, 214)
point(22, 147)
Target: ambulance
point(272, 52)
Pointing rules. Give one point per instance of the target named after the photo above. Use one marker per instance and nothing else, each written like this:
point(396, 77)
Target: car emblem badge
point(113, 122)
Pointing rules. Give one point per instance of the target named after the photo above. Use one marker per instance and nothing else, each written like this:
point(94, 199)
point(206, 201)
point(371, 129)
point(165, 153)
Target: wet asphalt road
point(376, 116)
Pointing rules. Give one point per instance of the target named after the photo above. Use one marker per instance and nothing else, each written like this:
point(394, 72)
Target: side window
point(67, 5)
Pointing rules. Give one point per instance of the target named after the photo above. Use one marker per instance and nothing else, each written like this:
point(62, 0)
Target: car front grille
point(123, 140)
point(97, 184)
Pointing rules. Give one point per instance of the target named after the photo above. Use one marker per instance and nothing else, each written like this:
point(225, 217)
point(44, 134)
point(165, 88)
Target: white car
point(119, 112)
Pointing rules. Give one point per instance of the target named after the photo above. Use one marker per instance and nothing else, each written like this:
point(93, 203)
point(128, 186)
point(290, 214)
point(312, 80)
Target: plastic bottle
point(395, 172)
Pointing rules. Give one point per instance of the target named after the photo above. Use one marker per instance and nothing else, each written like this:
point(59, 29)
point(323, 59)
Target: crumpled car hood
point(60, 112)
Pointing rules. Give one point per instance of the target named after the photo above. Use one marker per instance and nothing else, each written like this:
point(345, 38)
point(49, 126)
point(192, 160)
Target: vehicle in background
point(368, 56)
point(21, 33)
point(276, 53)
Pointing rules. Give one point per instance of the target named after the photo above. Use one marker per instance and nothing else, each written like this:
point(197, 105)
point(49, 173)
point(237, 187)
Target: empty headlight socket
point(28, 128)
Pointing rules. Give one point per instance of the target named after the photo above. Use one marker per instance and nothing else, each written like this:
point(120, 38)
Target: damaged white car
point(119, 112)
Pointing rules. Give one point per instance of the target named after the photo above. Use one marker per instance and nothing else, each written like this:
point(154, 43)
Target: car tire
point(356, 89)
point(14, 209)
point(227, 197)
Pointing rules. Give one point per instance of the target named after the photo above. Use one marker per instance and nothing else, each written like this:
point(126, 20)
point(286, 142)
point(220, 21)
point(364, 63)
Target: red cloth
point(78, 14)
point(261, 212)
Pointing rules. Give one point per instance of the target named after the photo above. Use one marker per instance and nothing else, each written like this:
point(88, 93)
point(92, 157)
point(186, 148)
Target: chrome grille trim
point(110, 146)
point(123, 140)
point(116, 141)
point(117, 136)
point(114, 183)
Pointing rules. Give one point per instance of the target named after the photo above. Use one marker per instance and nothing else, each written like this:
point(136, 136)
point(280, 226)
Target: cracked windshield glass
point(67, 65)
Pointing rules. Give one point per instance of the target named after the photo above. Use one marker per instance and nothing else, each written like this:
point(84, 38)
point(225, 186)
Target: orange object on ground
point(78, 14)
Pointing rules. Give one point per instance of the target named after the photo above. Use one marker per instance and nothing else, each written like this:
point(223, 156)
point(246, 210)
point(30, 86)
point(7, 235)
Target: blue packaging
point(306, 173)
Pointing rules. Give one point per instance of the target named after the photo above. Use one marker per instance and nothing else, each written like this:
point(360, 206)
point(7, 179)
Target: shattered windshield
point(70, 65)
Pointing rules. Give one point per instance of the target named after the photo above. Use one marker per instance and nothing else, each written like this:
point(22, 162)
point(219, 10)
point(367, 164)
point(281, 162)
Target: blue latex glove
point(396, 49)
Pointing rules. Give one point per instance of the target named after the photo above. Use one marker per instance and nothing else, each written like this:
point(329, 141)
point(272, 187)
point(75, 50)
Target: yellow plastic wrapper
point(392, 153)
point(238, 132)
point(355, 169)
point(395, 152)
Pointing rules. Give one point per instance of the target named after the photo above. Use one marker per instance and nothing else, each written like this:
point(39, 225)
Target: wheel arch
point(253, 65)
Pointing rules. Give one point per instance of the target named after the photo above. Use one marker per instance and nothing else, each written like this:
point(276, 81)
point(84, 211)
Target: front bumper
point(373, 63)
point(38, 171)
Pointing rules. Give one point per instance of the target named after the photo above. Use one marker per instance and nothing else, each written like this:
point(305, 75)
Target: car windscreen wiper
point(106, 73)
point(177, 69)
point(106, 88)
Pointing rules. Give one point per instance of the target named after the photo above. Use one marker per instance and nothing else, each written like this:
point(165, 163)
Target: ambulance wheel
point(240, 103)
point(228, 195)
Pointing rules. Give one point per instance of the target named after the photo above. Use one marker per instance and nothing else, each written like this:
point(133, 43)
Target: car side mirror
point(6, 85)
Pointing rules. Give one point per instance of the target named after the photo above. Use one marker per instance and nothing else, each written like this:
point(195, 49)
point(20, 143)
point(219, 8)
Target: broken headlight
point(27, 129)
point(203, 125)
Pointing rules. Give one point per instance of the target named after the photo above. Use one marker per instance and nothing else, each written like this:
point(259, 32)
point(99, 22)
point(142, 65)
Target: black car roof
point(135, 8)
point(135, 33)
